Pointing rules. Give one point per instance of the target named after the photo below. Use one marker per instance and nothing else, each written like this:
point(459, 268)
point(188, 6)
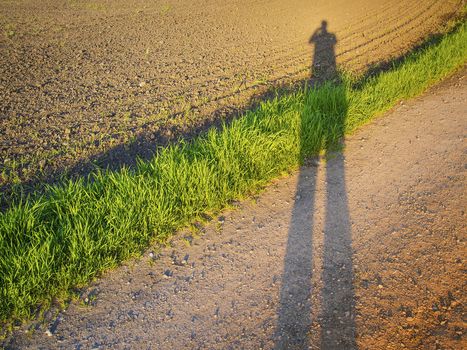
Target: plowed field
point(102, 81)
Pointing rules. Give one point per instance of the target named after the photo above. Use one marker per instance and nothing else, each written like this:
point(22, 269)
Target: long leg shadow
point(295, 296)
point(322, 126)
point(337, 296)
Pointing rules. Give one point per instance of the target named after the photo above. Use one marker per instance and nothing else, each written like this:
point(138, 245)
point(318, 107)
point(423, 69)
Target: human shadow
point(322, 128)
point(323, 67)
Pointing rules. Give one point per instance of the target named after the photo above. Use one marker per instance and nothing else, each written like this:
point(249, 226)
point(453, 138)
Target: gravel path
point(365, 250)
point(102, 81)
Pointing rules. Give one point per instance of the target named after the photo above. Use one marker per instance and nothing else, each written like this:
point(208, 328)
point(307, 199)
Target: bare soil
point(364, 249)
point(104, 81)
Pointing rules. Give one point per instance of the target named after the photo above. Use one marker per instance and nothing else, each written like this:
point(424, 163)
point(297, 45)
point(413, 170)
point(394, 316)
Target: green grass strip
point(63, 238)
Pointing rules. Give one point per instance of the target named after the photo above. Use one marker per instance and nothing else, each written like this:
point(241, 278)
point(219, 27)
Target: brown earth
point(106, 80)
point(364, 250)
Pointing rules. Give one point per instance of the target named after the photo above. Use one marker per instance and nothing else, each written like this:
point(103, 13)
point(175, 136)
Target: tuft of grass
point(9, 31)
point(165, 9)
point(63, 237)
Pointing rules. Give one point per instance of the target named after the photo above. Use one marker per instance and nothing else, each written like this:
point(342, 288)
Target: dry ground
point(106, 80)
point(363, 250)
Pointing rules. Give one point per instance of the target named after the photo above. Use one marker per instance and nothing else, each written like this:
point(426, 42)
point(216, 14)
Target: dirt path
point(80, 79)
point(364, 250)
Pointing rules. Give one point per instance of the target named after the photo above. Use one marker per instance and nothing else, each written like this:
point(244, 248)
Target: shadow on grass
point(322, 127)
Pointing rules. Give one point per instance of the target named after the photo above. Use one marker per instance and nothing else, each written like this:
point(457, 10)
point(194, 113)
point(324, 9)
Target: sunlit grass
point(64, 237)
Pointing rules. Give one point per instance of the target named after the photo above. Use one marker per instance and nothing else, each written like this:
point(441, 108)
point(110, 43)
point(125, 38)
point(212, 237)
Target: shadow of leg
point(337, 296)
point(294, 314)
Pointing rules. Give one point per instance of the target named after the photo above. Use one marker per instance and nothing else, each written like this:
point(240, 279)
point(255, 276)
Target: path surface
point(364, 250)
point(79, 79)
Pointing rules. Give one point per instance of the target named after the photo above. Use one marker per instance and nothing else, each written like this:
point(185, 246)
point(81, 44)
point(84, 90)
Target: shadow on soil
point(337, 295)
